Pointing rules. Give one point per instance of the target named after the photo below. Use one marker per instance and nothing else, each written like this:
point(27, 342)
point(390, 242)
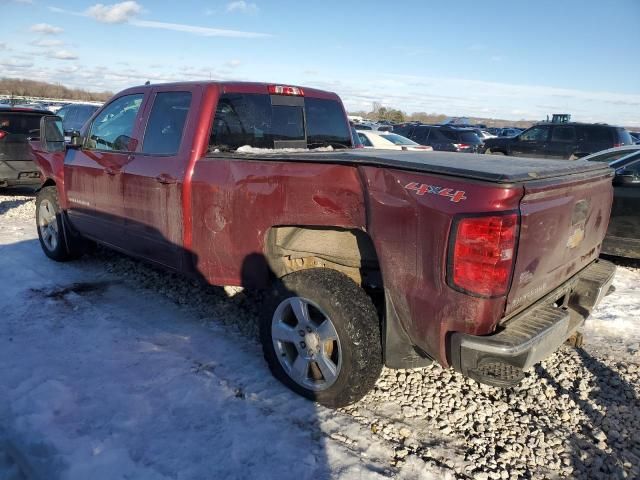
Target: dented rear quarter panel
point(235, 203)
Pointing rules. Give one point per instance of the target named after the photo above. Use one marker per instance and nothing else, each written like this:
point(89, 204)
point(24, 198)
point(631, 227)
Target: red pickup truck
point(480, 263)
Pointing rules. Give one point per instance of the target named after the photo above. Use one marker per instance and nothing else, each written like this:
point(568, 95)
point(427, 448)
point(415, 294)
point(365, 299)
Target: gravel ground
point(577, 415)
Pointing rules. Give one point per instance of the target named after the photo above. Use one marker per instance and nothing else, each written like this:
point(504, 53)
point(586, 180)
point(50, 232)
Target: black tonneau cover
point(493, 168)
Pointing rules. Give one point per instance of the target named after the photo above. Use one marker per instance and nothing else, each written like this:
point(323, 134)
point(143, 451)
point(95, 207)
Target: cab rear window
point(18, 126)
point(269, 121)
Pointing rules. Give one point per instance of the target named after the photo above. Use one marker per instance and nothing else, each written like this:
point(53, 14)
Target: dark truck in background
point(369, 258)
point(562, 141)
point(17, 126)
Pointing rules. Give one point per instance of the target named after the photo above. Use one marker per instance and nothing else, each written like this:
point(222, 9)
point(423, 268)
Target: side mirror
point(51, 134)
point(75, 140)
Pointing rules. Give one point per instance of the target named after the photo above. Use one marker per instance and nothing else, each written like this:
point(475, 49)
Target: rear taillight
point(2, 134)
point(461, 146)
point(358, 146)
point(285, 90)
point(616, 145)
point(481, 254)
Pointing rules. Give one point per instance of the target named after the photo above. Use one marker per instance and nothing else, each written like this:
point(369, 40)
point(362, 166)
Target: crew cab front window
point(113, 127)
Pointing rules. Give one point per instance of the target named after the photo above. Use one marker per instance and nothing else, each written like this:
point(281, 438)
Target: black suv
point(560, 140)
point(17, 125)
point(442, 137)
point(75, 115)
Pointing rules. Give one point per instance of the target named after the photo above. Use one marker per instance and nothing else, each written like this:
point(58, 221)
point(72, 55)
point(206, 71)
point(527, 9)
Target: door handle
point(165, 179)
point(111, 171)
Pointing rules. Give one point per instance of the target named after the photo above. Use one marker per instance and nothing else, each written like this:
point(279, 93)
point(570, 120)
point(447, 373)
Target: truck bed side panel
point(411, 232)
point(235, 202)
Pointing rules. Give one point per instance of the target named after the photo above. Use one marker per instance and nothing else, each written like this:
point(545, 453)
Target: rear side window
point(598, 134)
point(563, 134)
point(112, 128)
point(264, 121)
point(166, 123)
point(18, 126)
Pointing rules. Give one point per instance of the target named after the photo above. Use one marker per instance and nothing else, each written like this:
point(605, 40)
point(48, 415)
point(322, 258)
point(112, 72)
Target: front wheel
point(56, 243)
point(321, 337)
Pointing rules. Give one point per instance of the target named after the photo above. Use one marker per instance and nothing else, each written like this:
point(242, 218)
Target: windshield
point(265, 121)
point(398, 139)
point(613, 156)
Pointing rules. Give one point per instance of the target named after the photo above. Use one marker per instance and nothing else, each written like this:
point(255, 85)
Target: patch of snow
point(250, 149)
point(103, 380)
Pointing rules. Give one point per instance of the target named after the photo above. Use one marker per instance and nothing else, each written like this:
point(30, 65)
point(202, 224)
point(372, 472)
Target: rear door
point(563, 142)
point(531, 142)
point(594, 138)
point(152, 180)
point(93, 173)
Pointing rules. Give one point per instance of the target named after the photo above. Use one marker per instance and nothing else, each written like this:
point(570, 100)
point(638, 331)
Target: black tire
point(357, 325)
point(65, 246)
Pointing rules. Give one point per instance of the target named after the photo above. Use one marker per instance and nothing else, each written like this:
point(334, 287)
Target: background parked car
point(509, 132)
point(442, 138)
point(355, 138)
point(560, 140)
point(483, 134)
point(623, 234)
point(17, 125)
point(390, 141)
point(75, 115)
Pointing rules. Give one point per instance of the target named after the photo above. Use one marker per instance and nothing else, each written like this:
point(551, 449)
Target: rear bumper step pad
point(500, 359)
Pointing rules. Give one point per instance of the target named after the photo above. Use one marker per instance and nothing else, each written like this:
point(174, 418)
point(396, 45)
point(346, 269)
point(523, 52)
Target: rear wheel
point(321, 337)
point(57, 243)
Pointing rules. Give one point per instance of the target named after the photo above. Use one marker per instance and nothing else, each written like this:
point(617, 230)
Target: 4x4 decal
point(422, 188)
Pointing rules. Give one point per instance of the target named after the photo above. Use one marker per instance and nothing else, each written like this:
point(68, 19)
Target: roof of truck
point(239, 87)
point(492, 168)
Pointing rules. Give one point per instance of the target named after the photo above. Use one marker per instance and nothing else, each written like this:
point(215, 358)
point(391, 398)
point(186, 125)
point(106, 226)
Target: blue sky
point(499, 59)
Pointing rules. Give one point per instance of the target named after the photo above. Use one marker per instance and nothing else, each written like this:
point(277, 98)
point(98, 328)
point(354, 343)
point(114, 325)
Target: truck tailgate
point(563, 223)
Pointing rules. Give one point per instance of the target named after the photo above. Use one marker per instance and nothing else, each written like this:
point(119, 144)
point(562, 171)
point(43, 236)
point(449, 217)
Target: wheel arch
point(290, 248)
point(49, 182)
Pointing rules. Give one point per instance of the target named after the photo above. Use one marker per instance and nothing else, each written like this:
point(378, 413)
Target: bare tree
point(18, 87)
